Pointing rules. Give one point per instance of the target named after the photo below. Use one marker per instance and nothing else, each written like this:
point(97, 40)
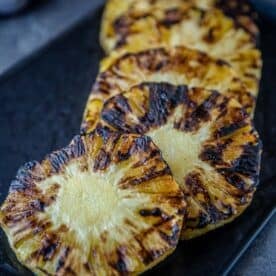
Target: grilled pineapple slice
point(208, 141)
point(105, 205)
point(239, 10)
point(176, 23)
point(177, 65)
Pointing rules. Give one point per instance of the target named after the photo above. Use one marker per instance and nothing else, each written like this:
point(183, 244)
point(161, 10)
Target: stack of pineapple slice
point(167, 149)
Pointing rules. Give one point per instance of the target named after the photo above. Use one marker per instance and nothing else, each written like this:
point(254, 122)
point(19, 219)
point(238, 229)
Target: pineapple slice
point(239, 10)
point(141, 25)
point(208, 141)
point(177, 65)
point(105, 205)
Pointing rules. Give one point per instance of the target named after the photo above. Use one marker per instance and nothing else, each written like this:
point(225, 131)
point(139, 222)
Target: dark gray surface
point(41, 108)
point(266, 7)
point(29, 31)
point(260, 259)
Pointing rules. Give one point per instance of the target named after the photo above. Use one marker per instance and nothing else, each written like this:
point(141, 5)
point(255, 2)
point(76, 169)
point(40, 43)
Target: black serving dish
point(41, 109)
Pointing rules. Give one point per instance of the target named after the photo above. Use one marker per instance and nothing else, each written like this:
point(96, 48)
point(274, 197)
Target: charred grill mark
point(233, 178)
point(12, 219)
point(102, 161)
point(24, 177)
point(120, 264)
point(114, 113)
point(37, 205)
point(251, 76)
point(106, 134)
point(125, 153)
point(122, 28)
point(210, 214)
point(239, 117)
point(103, 237)
point(122, 156)
point(25, 169)
point(151, 174)
point(172, 17)
point(221, 62)
point(24, 228)
point(176, 200)
point(151, 60)
point(195, 186)
point(214, 214)
point(39, 227)
point(85, 126)
point(21, 185)
point(49, 247)
point(62, 259)
point(87, 267)
point(172, 239)
point(248, 165)
point(69, 271)
point(155, 253)
point(213, 154)
point(209, 37)
point(155, 212)
point(227, 130)
point(200, 114)
point(122, 40)
point(203, 220)
point(146, 256)
point(58, 160)
point(249, 162)
point(122, 103)
point(121, 25)
point(102, 85)
point(51, 194)
point(242, 13)
point(153, 154)
point(193, 181)
point(44, 271)
point(163, 98)
point(129, 223)
point(77, 148)
point(247, 100)
point(234, 8)
point(17, 185)
point(143, 143)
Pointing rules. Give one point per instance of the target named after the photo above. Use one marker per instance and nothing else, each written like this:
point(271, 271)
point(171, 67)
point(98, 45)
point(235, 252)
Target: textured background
point(44, 21)
point(41, 109)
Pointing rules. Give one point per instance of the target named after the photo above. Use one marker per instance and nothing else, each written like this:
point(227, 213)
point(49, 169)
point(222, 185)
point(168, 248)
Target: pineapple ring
point(208, 141)
point(239, 10)
point(105, 205)
point(141, 25)
point(177, 65)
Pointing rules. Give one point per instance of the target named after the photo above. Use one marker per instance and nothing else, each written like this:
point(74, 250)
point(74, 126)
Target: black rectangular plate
point(41, 109)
